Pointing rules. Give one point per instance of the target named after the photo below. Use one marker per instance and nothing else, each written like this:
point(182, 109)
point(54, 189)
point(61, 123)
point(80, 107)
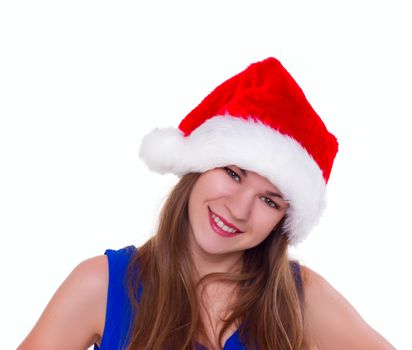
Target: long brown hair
point(167, 314)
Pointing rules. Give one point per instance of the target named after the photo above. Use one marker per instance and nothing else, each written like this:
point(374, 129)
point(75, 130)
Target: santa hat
point(261, 121)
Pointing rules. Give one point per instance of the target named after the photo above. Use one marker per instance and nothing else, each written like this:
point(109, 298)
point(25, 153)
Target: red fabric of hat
point(265, 91)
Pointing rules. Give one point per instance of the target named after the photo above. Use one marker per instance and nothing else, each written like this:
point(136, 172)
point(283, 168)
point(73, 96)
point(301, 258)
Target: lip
point(218, 230)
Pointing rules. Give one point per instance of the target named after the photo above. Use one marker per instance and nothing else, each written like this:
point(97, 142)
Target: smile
point(221, 227)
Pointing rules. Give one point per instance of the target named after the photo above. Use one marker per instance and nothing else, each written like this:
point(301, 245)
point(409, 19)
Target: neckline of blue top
point(118, 309)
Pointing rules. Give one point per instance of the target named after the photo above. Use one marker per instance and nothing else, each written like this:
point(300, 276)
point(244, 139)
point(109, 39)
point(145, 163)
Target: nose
point(240, 204)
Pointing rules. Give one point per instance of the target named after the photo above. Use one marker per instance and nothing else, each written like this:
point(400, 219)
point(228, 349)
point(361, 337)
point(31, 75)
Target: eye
point(232, 174)
point(270, 203)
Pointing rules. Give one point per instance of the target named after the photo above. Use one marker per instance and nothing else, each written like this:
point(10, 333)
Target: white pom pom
point(161, 148)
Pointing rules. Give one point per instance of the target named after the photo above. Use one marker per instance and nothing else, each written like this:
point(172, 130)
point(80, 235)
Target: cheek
point(267, 220)
point(193, 205)
point(211, 187)
point(197, 200)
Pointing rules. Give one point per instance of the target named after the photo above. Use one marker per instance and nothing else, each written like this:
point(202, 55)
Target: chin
point(209, 245)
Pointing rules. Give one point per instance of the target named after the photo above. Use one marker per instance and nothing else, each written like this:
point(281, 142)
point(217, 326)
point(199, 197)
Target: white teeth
point(222, 225)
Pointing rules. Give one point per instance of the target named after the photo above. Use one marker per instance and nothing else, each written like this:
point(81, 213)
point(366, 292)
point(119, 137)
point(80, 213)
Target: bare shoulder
point(331, 320)
point(74, 317)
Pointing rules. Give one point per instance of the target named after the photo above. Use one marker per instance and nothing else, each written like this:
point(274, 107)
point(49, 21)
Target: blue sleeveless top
point(118, 309)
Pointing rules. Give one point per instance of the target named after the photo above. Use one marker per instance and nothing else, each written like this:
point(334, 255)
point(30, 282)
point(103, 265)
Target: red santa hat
point(261, 121)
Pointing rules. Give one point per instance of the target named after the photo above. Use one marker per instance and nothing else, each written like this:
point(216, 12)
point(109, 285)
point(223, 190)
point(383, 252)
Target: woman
point(254, 159)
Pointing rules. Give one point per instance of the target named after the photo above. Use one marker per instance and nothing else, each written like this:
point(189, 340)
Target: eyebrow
point(269, 193)
point(274, 194)
point(243, 172)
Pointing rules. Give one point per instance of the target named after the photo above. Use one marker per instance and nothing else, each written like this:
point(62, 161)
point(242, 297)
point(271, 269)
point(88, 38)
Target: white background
point(82, 81)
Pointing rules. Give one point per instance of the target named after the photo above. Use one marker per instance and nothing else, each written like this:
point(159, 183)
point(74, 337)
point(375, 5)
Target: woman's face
point(231, 210)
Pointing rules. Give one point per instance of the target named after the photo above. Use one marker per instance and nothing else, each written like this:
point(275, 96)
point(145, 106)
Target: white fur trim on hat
point(251, 145)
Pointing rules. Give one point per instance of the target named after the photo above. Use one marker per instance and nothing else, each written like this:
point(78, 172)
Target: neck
point(206, 263)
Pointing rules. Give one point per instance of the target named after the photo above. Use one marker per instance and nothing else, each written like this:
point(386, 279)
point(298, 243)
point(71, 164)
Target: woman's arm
point(332, 322)
point(74, 317)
